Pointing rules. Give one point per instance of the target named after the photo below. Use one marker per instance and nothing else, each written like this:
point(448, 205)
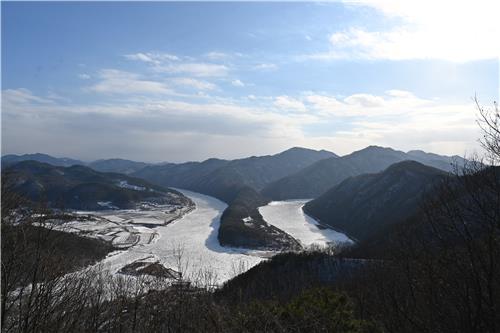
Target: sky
point(170, 81)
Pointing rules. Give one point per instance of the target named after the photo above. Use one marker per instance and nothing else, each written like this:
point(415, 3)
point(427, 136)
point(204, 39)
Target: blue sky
point(187, 81)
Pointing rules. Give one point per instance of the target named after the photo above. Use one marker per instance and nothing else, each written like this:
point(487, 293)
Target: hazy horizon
point(177, 82)
point(216, 157)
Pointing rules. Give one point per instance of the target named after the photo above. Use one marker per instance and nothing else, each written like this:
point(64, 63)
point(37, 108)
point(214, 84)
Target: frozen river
point(190, 245)
point(289, 217)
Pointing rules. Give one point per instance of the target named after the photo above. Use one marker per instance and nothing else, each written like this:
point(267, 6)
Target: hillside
point(321, 176)
point(182, 175)
point(79, 187)
point(217, 177)
point(243, 226)
point(8, 160)
point(257, 171)
point(117, 165)
point(362, 205)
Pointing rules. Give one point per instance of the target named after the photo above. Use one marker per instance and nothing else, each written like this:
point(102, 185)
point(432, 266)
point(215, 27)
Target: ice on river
point(190, 245)
point(289, 217)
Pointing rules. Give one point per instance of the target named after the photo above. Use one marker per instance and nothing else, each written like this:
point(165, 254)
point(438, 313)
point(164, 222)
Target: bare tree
point(489, 121)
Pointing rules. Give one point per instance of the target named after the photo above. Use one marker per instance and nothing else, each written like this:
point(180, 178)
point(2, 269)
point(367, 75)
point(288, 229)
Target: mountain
point(219, 178)
point(44, 158)
point(362, 205)
point(183, 175)
point(106, 165)
point(463, 207)
point(447, 163)
point(257, 171)
point(322, 175)
point(117, 165)
point(79, 187)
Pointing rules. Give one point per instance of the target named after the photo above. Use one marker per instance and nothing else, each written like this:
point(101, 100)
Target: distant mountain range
point(319, 177)
point(219, 177)
point(363, 205)
point(359, 205)
point(236, 182)
point(8, 160)
point(105, 165)
point(291, 174)
point(117, 165)
point(79, 187)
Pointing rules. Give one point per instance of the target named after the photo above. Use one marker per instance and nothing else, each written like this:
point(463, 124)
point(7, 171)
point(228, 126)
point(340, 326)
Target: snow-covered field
point(188, 244)
point(289, 217)
point(122, 228)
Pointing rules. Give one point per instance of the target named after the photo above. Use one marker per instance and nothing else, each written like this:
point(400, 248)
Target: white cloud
point(397, 119)
point(237, 83)
point(324, 104)
point(84, 76)
point(153, 58)
point(289, 103)
point(448, 30)
point(149, 124)
point(195, 69)
point(394, 102)
point(266, 66)
point(217, 55)
point(194, 83)
point(169, 63)
point(365, 100)
point(21, 96)
point(400, 94)
point(114, 81)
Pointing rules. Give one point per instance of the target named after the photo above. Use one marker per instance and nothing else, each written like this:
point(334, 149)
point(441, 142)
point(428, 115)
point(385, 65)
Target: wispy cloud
point(22, 96)
point(266, 66)
point(153, 58)
point(365, 100)
point(289, 103)
point(84, 76)
point(195, 69)
point(217, 55)
point(393, 102)
point(194, 83)
point(237, 83)
point(397, 118)
point(173, 64)
point(113, 81)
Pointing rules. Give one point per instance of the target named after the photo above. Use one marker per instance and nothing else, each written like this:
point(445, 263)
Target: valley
point(185, 241)
point(187, 245)
point(218, 229)
point(250, 166)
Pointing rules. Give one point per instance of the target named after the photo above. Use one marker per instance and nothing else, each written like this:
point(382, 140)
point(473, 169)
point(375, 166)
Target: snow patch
point(107, 204)
point(125, 184)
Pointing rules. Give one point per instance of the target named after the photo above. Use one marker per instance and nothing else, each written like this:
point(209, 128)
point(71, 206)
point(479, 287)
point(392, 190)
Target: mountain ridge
point(364, 204)
point(316, 179)
point(80, 187)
